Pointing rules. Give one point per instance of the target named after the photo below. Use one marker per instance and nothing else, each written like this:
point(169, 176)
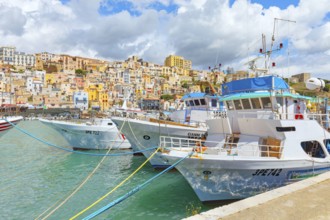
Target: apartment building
point(80, 100)
point(9, 55)
point(302, 77)
point(177, 61)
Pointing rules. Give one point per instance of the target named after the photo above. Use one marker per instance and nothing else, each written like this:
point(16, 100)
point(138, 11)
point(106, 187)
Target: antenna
point(268, 53)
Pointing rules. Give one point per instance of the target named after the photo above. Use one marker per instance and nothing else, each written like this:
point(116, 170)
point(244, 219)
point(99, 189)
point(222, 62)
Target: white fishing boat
point(6, 123)
point(145, 134)
point(186, 123)
point(94, 134)
point(266, 139)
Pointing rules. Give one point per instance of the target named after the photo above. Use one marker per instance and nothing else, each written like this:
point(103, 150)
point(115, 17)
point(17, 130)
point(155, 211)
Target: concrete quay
point(307, 199)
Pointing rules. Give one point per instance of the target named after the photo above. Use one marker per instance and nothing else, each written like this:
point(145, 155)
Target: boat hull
point(89, 137)
point(5, 126)
point(144, 135)
point(235, 179)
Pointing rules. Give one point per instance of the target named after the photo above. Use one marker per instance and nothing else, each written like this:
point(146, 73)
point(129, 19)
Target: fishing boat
point(188, 122)
point(98, 133)
point(6, 123)
point(267, 138)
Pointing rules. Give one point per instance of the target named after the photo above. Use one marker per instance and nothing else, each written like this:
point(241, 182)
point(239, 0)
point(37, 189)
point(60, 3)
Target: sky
point(207, 32)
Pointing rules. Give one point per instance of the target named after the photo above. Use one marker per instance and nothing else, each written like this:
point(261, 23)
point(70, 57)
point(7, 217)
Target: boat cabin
point(197, 108)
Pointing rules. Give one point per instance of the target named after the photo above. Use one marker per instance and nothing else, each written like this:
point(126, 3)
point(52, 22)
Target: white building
point(80, 100)
point(9, 55)
point(127, 76)
point(40, 74)
point(22, 59)
point(34, 85)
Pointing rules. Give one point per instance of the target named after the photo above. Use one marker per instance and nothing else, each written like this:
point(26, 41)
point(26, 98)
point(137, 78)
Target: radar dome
point(314, 84)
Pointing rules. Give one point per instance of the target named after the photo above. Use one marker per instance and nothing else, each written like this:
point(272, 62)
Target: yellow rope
point(119, 185)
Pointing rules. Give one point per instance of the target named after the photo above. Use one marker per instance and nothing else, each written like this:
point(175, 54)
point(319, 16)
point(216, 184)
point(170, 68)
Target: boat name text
point(93, 132)
point(267, 172)
point(195, 135)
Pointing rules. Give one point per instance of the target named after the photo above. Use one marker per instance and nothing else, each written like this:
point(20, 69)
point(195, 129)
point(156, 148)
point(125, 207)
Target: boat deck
point(306, 199)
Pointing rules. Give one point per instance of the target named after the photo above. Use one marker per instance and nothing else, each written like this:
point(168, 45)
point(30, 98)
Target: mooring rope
point(73, 151)
point(133, 191)
point(76, 189)
point(114, 189)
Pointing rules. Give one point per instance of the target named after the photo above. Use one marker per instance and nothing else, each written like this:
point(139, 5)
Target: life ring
point(298, 116)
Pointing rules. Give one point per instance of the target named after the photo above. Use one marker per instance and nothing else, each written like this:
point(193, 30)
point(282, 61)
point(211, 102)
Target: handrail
point(222, 147)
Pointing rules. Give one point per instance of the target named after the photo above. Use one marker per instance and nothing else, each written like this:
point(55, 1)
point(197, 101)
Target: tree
point(166, 97)
point(80, 72)
point(184, 85)
point(326, 88)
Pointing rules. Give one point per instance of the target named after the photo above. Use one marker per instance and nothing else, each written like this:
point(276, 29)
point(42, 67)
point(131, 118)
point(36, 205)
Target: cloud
point(12, 21)
point(207, 32)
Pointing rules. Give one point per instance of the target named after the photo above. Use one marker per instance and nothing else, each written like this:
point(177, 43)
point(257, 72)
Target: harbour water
point(35, 176)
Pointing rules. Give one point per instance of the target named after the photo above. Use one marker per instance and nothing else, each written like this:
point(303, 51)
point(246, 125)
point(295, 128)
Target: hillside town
point(45, 80)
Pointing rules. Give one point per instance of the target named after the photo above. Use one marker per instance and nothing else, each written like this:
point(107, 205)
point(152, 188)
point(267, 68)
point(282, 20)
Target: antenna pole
point(273, 38)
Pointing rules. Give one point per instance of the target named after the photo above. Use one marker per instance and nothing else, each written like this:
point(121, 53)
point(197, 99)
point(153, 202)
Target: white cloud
point(207, 32)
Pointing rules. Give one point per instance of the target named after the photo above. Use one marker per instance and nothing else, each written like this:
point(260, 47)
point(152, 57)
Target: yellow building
point(103, 100)
point(165, 87)
point(50, 78)
point(177, 61)
point(236, 76)
point(146, 78)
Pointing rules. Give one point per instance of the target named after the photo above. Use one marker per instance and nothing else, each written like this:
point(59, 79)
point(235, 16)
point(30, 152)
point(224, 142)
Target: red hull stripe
point(5, 125)
point(4, 129)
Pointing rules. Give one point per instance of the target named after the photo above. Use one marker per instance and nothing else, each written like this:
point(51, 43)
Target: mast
point(268, 53)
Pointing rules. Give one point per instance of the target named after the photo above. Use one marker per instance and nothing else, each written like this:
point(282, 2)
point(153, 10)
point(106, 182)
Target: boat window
point(327, 144)
point(246, 104)
point(214, 103)
point(202, 101)
point(285, 129)
point(256, 103)
point(230, 105)
point(110, 123)
point(266, 102)
point(238, 105)
point(187, 103)
point(196, 101)
point(313, 148)
point(191, 103)
point(279, 100)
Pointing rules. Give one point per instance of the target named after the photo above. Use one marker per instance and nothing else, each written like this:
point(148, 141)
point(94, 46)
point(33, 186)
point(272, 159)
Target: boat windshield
point(313, 148)
point(327, 144)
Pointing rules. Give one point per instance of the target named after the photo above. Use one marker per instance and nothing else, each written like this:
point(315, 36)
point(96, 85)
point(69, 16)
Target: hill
point(302, 90)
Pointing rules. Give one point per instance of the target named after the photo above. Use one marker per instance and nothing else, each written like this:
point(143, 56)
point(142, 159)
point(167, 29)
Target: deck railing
point(221, 148)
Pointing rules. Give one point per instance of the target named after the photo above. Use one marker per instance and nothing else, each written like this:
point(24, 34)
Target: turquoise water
point(35, 176)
